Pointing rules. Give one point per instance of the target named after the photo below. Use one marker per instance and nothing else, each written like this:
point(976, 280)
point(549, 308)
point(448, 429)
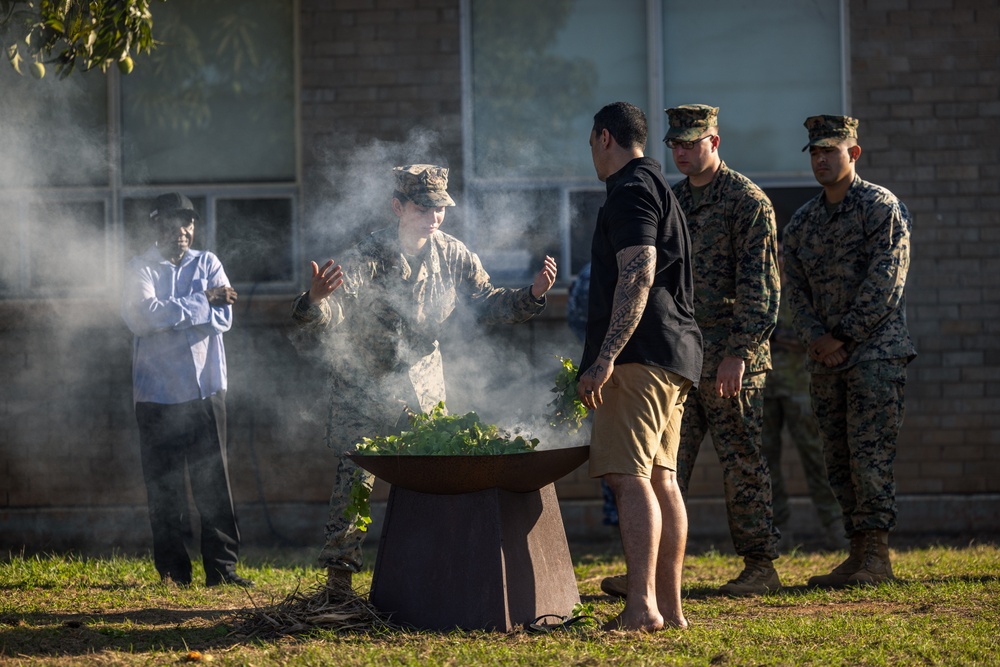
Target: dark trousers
point(189, 436)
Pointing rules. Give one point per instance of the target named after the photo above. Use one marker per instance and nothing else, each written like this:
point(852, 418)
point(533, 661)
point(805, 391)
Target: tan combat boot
point(842, 573)
point(758, 576)
point(875, 566)
point(337, 578)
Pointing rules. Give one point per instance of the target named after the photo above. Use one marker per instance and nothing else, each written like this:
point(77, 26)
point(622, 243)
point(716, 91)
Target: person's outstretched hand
point(325, 281)
point(544, 279)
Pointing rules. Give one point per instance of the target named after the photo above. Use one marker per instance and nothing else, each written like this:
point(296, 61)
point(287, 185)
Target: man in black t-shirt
point(642, 355)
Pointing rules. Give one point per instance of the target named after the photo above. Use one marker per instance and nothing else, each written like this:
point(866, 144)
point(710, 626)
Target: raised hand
point(544, 279)
point(324, 281)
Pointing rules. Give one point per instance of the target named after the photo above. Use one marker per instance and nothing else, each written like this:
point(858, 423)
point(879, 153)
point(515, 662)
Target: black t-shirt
point(641, 210)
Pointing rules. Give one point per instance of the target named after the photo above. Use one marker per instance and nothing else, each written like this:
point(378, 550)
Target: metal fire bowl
point(449, 475)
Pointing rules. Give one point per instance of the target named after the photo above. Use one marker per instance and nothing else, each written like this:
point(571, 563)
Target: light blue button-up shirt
point(177, 355)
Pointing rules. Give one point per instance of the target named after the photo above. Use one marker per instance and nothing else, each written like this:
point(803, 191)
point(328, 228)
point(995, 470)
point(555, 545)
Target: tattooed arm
point(636, 269)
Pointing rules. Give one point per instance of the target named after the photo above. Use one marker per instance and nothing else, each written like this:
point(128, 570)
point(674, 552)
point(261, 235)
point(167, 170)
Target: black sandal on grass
point(565, 623)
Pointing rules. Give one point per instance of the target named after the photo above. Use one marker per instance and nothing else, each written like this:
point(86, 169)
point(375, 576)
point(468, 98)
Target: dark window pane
point(787, 201)
point(254, 239)
point(583, 205)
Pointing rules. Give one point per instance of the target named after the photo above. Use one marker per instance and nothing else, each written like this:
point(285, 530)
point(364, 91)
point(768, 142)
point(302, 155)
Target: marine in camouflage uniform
point(847, 252)
point(787, 403)
point(734, 256)
point(379, 335)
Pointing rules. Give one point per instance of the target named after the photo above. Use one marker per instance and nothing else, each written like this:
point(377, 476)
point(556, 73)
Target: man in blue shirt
point(178, 303)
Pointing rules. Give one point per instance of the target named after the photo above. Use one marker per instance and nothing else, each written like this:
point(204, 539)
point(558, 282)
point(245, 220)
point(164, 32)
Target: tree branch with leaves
point(94, 34)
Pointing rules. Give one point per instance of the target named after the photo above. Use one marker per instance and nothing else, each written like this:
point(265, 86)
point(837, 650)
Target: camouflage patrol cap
point(829, 130)
point(424, 184)
point(690, 121)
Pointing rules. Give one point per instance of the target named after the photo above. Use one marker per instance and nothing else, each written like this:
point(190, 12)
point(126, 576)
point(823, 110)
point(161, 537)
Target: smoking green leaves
point(433, 434)
point(566, 409)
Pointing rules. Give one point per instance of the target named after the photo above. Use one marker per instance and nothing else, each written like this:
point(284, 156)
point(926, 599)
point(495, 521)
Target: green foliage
point(567, 410)
point(359, 506)
point(585, 609)
point(438, 433)
point(433, 434)
point(95, 33)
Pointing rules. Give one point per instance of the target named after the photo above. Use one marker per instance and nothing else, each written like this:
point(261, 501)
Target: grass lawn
point(944, 610)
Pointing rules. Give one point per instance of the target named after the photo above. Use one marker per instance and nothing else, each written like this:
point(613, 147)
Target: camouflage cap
point(424, 184)
point(829, 130)
point(690, 121)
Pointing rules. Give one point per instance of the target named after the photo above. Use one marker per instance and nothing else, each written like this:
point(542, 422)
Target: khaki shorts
point(638, 424)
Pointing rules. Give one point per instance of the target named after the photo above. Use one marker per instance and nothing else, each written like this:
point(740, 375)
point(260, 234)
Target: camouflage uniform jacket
point(388, 313)
point(734, 259)
point(848, 270)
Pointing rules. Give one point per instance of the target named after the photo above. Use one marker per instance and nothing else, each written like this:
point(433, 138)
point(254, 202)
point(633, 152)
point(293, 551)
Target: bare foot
point(680, 623)
point(640, 623)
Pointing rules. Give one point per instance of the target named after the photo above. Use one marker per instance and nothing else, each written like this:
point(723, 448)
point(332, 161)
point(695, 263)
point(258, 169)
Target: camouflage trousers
point(735, 426)
point(342, 549)
point(795, 413)
point(860, 411)
point(368, 408)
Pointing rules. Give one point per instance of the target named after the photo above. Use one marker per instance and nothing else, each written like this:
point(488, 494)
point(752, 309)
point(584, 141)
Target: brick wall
point(925, 82)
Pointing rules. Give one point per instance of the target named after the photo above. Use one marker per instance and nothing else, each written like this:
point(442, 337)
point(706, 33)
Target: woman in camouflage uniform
point(376, 318)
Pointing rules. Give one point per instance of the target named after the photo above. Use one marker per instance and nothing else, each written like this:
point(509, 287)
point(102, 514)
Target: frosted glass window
point(216, 101)
point(10, 260)
point(767, 65)
point(541, 70)
point(53, 132)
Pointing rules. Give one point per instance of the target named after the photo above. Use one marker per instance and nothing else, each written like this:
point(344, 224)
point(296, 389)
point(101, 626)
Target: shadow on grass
point(59, 634)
